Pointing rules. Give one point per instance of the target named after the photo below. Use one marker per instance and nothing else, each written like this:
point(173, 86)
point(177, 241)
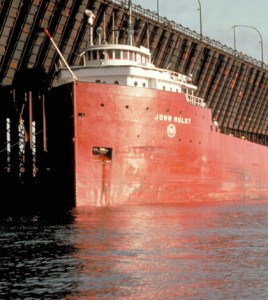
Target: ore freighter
point(131, 133)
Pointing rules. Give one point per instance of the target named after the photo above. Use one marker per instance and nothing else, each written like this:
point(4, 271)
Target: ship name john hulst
point(175, 119)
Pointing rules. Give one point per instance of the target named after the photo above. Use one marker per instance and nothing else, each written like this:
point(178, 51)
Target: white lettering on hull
point(171, 128)
point(174, 119)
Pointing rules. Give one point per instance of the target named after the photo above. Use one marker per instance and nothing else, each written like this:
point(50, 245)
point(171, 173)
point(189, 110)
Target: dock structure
point(233, 84)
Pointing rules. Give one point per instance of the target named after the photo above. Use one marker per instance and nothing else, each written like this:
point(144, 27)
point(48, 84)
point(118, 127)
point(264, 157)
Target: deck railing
point(195, 100)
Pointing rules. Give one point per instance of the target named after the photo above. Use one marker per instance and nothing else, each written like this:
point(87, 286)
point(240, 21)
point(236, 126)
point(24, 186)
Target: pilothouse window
point(110, 54)
point(125, 55)
point(95, 54)
point(117, 54)
point(102, 55)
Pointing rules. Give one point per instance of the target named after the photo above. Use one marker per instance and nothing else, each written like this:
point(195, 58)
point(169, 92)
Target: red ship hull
point(129, 145)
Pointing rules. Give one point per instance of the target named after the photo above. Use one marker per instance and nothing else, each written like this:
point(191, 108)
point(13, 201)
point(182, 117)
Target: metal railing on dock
point(193, 34)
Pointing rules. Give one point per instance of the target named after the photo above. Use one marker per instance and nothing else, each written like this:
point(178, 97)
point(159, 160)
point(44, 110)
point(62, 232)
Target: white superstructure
point(126, 65)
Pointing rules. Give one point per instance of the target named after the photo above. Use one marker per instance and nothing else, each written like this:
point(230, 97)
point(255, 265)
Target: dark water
point(201, 251)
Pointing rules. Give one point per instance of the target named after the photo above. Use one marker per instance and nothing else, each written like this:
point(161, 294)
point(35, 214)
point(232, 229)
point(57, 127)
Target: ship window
point(125, 54)
point(95, 54)
point(117, 54)
point(116, 82)
point(131, 55)
point(89, 55)
point(102, 55)
point(135, 83)
point(110, 54)
point(138, 58)
point(164, 88)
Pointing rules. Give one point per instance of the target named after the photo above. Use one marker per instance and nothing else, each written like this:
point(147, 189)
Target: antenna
point(104, 29)
point(113, 29)
point(147, 35)
point(130, 29)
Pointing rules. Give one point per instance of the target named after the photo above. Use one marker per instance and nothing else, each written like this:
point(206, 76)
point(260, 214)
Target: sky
point(218, 18)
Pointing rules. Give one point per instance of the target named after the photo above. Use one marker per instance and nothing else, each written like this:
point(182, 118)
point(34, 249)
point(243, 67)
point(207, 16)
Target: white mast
point(90, 21)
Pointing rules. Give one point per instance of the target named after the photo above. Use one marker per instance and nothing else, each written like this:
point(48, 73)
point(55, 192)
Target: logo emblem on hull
point(171, 130)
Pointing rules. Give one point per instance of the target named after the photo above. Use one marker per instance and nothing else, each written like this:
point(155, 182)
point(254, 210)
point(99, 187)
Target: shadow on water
point(37, 253)
point(26, 200)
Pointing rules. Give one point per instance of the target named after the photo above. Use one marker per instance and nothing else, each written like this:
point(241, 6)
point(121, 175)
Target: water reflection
point(185, 252)
point(201, 251)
